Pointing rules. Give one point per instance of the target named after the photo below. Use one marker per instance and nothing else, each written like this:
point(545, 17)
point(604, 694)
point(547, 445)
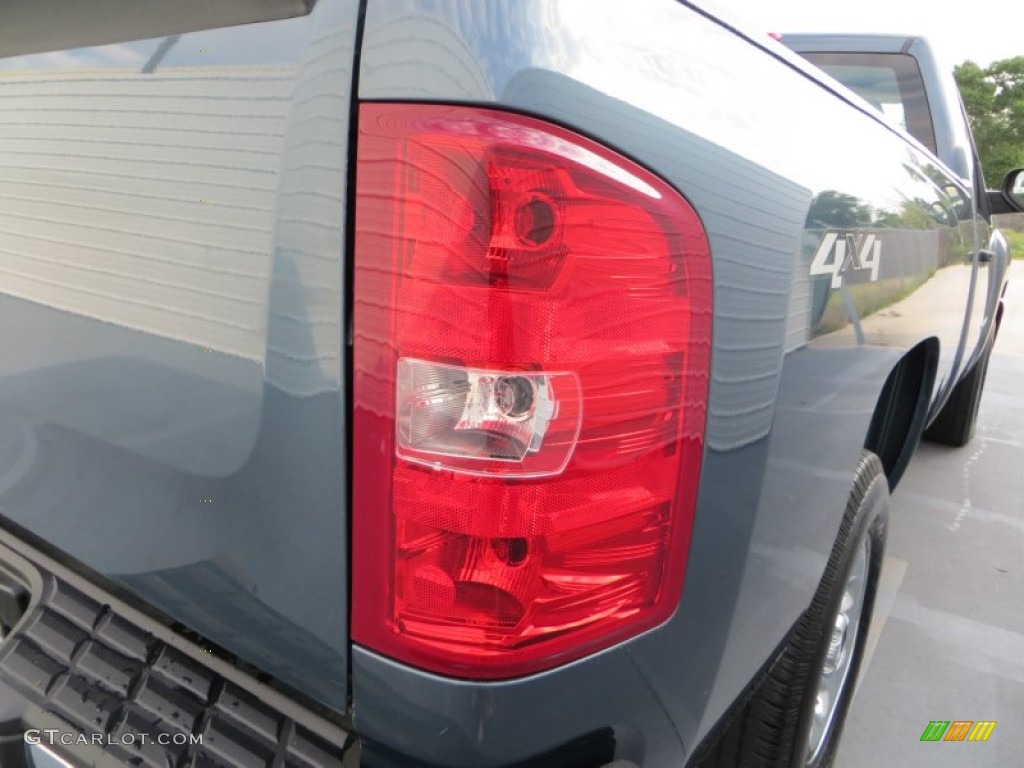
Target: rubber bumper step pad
point(112, 681)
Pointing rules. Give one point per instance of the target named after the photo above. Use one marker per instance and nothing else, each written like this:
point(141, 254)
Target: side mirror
point(1013, 189)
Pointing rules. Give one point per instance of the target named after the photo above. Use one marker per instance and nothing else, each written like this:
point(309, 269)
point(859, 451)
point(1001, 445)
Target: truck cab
point(904, 78)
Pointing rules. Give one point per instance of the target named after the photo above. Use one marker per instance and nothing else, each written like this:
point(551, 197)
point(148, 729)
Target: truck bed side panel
point(773, 162)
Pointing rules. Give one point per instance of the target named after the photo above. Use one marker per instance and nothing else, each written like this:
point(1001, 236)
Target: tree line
point(994, 99)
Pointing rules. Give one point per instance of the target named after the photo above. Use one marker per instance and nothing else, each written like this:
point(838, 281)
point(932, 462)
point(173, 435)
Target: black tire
point(773, 727)
point(958, 418)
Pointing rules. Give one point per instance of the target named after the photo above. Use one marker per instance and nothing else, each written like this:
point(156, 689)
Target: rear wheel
point(796, 715)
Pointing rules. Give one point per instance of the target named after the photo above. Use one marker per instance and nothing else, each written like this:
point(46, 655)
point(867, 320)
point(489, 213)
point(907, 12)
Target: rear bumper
point(103, 683)
point(89, 679)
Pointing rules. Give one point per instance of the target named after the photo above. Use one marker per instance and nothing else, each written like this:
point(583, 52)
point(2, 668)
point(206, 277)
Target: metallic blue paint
point(181, 428)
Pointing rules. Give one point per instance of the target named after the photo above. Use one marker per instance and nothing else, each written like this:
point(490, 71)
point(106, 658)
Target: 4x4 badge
point(848, 250)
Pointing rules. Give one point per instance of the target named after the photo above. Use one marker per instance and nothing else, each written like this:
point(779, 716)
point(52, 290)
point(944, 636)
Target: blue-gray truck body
point(176, 305)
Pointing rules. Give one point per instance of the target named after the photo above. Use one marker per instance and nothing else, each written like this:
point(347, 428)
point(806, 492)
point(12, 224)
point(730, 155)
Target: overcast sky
point(981, 30)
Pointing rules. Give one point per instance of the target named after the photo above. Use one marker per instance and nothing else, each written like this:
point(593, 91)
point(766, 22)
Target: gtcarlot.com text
point(54, 737)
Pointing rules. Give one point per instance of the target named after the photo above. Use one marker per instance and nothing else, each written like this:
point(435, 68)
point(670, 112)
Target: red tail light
point(532, 336)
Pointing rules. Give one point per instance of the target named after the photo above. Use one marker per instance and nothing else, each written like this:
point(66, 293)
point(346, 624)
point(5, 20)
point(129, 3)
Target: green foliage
point(1016, 240)
point(835, 209)
point(994, 98)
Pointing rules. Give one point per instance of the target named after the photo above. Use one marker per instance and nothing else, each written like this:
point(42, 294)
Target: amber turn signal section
point(531, 358)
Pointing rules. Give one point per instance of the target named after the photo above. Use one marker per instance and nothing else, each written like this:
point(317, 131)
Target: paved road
point(948, 642)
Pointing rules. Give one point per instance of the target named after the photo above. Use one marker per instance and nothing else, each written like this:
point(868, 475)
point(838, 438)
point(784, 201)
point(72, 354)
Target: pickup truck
point(405, 383)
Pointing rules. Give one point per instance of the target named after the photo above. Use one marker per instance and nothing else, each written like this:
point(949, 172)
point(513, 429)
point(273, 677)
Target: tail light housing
point(531, 356)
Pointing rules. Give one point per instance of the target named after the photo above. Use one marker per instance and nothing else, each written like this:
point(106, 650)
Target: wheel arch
point(901, 412)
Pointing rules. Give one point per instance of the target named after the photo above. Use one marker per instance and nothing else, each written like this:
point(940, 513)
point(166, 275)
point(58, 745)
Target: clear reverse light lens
point(465, 419)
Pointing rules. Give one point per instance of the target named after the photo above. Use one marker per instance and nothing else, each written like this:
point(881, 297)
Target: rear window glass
point(891, 82)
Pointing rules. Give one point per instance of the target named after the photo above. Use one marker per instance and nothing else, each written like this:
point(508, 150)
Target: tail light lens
point(532, 336)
